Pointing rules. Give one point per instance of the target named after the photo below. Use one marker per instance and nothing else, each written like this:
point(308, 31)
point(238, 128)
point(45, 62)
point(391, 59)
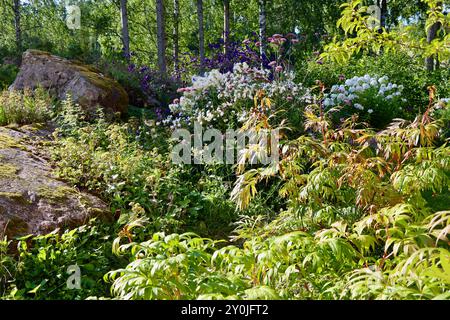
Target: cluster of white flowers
point(216, 96)
point(349, 93)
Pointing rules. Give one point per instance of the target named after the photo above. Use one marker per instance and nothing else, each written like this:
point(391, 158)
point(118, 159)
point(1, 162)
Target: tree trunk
point(431, 35)
point(161, 37)
point(262, 29)
point(18, 30)
point(176, 47)
point(226, 25)
point(201, 35)
point(125, 32)
point(382, 4)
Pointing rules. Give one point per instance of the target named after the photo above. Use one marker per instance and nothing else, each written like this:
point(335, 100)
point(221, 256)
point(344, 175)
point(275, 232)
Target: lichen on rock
point(32, 199)
point(7, 171)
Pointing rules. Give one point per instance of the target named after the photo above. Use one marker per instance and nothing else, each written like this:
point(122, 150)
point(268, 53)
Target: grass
point(25, 107)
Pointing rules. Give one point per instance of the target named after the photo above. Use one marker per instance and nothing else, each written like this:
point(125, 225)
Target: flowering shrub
point(280, 48)
point(157, 89)
point(128, 165)
point(224, 99)
point(237, 52)
point(358, 225)
point(145, 86)
point(374, 99)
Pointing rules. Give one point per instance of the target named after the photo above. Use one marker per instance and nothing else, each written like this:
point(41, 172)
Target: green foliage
point(356, 226)
point(349, 212)
point(146, 88)
point(39, 270)
point(7, 265)
point(122, 163)
point(362, 38)
point(8, 73)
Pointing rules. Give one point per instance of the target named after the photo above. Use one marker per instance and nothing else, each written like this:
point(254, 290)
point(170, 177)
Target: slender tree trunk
point(18, 30)
point(125, 32)
point(226, 25)
point(382, 4)
point(201, 35)
point(431, 35)
point(176, 48)
point(262, 29)
point(161, 37)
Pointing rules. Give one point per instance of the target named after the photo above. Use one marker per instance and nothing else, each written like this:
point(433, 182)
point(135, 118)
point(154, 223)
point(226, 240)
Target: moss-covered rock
point(7, 171)
point(86, 84)
point(32, 200)
point(6, 141)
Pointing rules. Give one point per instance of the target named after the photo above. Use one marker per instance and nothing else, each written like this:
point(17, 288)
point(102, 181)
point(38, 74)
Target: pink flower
point(282, 40)
point(294, 40)
point(258, 44)
point(176, 101)
point(289, 98)
point(291, 35)
point(246, 41)
point(278, 69)
point(187, 89)
point(277, 42)
point(272, 63)
point(270, 39)
point(277, 35)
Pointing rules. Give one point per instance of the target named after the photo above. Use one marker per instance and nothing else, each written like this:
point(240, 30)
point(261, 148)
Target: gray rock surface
point(32, 200)
point(87, 85)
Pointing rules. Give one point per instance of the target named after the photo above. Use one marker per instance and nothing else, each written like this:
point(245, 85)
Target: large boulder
point(32, 199)
point(87, 85)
